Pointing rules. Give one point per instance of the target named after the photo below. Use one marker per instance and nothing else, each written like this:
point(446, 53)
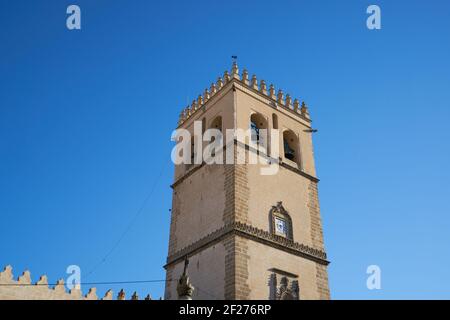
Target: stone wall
point(236, 209)
point(24, 289)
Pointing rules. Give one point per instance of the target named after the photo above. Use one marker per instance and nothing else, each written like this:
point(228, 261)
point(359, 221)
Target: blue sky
point(86, 118)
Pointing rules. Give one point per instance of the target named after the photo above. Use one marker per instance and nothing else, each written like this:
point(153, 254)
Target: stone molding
point(237, 143)
point(252, 233)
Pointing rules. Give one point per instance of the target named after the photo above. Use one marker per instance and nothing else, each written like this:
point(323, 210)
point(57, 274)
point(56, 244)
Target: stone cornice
point(252, 233)
point(189, 173)
point(279, 161)
point(285, 165)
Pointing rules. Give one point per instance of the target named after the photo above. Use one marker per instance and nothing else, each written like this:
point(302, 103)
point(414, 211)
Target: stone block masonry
point(24, 289)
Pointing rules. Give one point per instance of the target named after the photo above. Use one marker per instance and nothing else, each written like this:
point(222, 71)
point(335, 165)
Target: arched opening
point(257, 123)
point(291, 146)
point(217, 123)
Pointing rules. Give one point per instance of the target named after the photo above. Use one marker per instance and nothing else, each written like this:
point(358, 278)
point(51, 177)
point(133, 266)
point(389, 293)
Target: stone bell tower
point(248, 235)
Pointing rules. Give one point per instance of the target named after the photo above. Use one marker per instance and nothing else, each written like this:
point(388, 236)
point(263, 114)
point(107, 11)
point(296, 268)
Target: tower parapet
point(279, 99)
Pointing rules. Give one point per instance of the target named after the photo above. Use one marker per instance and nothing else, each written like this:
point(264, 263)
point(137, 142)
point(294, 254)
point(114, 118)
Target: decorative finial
point(59, 287)
point(108, 295)
point(296, 105)
point(121, 295)
point(235, 70)
point(135, 296)
point(288, 101)
point(199, 101)
point(213, 89)
point(148, 297)
point(7, 273)
point(206, 95)
point(280, 99)
point(254, 83)
point(43, 280)
point(263, 87)
point(272, 92)
point(226, 76)
point(25, 278)
point(219, 83)
point(92, 294)
point(245, 76)
point(304, 110)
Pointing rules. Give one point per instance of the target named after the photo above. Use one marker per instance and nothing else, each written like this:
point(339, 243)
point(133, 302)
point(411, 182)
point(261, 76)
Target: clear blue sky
point(86, 117)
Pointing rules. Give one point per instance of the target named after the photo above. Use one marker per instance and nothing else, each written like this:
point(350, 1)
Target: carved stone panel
point(283, 286)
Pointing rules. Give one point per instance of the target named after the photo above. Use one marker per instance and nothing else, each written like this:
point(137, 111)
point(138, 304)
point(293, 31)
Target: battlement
point(278, 98)
point(24, 289)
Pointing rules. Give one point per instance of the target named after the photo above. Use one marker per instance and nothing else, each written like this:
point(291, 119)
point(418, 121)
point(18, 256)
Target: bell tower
point(248, 234)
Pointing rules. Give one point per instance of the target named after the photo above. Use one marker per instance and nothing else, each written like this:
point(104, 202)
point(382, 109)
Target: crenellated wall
point(24, 289)
point(278, 98)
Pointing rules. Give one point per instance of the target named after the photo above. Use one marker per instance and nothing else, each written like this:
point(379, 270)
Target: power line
point(130, 225)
